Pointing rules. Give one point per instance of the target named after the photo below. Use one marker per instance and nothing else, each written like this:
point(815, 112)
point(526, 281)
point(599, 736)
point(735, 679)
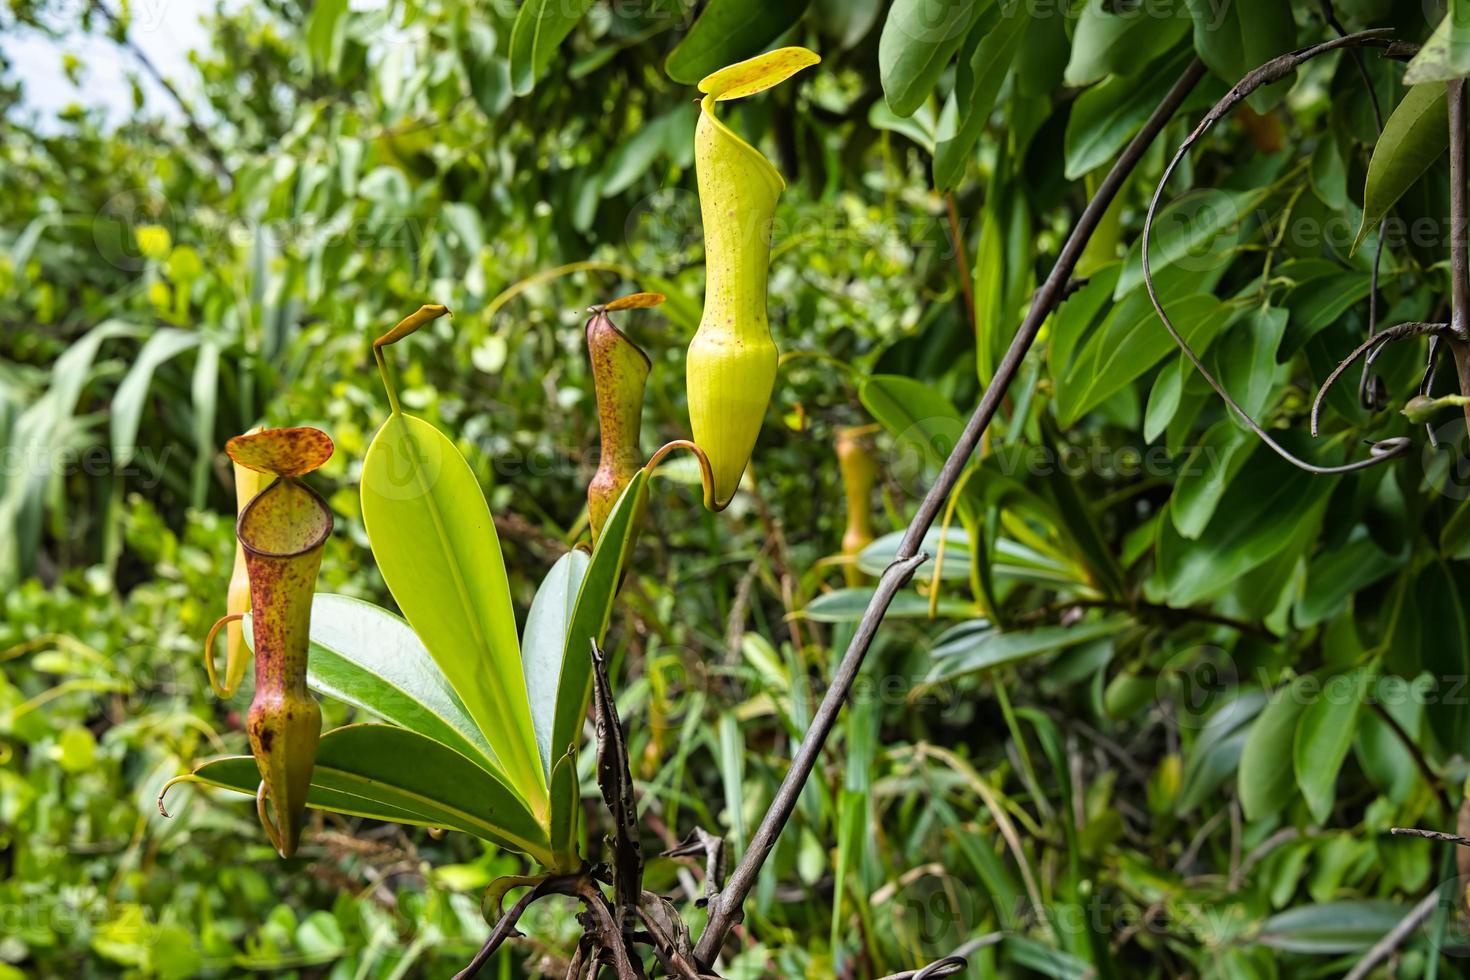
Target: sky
point(166, 29)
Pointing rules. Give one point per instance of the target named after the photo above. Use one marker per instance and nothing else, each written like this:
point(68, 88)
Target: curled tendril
point(1373, 346)
point(706, 474)
point(1272, 71)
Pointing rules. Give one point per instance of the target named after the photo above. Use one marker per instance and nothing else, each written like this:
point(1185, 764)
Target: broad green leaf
point(1446, 55)
point(978, 85)
point(1237, 37)
point(975, 646)
point(989, 284)
point(1215, 753)
point(1256, 518)
point(1196, 234)
point(1132, 341)
point(848, 605)
point(594, 610)
point(388, 773)
point(1444, 629)
point(919, 39)
point(1317, 302)
point(1206, 473)
point(540, 27)
point(436, 547)
point(1335, 575)
point(367, 657)
point(1104, 118)
point(915, 413)
point(1078, 315)
point(728, 31)
point(487, 72)
point(1116, 39)
point(132, 393)
point(1325, 733)
point(882, 551)
point(1416, 135)
point(544, 642)
point(1349, 926)
point(1266, 781)
point(1246, 357)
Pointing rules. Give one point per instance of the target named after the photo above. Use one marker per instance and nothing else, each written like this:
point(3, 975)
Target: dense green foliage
point(1168, 694)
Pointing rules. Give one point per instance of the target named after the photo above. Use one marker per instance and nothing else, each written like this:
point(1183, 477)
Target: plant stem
point(1459, 269)
point(726, 910)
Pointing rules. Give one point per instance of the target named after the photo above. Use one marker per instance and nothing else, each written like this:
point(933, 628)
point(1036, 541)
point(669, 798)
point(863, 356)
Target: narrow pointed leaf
point(388, 773)
point(566, 805)
point(594, 610)
point(1416, 134)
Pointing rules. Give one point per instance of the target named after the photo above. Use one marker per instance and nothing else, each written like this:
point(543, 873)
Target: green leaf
point(1328, 725)
point(974, 646)
point(1213, 757)
point(436, 547)
point(729, 31)
point(913, 412)
point(324, 34)
point(387, 773)
point(919, 39)
point(1267, 503)
point(593, 611)
point(540, 27)
point(636, 154)
point(544, 643)
point(487, 72)
point(1265, 778)
point(1132, 341)
point(1444, 629)
point(1196, 234)
point(566, 806)
point(1105, 117)
point(163, 345)
point(881, 552)
point(1237, 37)
point(1349, 926)
point(1109, 41)
point(1416, 135)
point(847, 606)
point(980, 78)
point(204, 389)
point(1247, 357)
point(367, 657)
point(1446, 55)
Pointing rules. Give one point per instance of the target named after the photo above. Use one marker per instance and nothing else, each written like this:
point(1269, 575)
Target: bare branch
point(1395, 938)
point(726, 910)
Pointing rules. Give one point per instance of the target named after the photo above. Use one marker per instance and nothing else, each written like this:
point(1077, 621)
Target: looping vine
point(1272, 71)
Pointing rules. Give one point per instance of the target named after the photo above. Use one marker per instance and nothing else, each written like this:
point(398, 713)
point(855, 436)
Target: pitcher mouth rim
point(310, 546)
point(768, 169)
